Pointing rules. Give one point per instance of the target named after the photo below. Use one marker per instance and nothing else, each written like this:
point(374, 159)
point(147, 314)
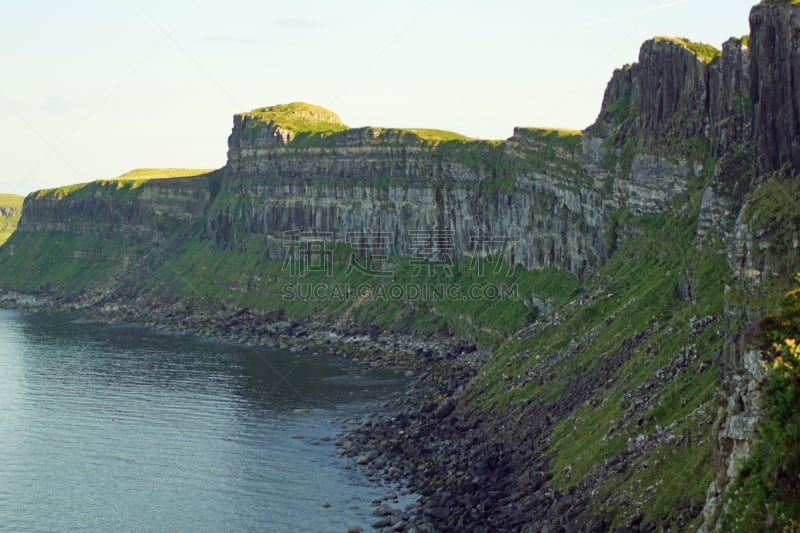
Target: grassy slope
point(316, 126)
point(65, 263)
point(298, 117)
point(636, 291)
point(9, 224)
point(199, 275)
point(126, 185)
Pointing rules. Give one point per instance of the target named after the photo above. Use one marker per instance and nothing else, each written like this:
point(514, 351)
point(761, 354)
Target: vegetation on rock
point(298, 117)
point(703, 51)
point(127, 184)
point(766, 493)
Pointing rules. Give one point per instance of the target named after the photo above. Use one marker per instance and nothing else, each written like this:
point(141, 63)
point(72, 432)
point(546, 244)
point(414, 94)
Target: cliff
point(775, 92)
point(141, 206)
point(398, 182)
point(632, 258)
point(679, 96)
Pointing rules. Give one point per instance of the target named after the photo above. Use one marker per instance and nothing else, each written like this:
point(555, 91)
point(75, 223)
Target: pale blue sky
point(91, 89)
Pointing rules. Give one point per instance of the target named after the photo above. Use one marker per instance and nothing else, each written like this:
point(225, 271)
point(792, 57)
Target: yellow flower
point(793, 348)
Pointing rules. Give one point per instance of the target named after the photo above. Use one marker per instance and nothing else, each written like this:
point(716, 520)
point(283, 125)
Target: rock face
point(399, 191)
point(678, 91)
point(619, 102)
point(760, 137)
point(673, 85)
point(9, 211)
point(740, 405)
point(729, 108)
point(146, 214)
point(775, 89)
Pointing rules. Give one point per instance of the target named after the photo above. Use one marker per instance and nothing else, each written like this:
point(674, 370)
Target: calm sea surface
point(111, 428)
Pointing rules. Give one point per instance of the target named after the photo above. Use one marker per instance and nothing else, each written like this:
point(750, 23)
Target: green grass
point(766, 492)
point(568, 139)
point(11, 200)
point(163, 173)
point(432, 136)
point(65, 262)
point(636, 291)
point(705, 52)
point(10, 210)
point(5, 234)
point(297, 117)
point(774, 211)
point(408, 299)
point(126, 185)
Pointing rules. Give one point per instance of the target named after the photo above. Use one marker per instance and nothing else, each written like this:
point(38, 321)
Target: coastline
point(430, 364)
point(474, 469)
point(371, 347)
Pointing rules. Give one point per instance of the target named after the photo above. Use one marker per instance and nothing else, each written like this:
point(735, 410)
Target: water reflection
point(123, 428)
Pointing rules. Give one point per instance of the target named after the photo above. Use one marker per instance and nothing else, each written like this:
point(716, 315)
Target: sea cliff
point(614, 273)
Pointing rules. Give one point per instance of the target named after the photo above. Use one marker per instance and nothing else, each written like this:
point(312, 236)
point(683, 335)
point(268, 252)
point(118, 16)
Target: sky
point(92, 89)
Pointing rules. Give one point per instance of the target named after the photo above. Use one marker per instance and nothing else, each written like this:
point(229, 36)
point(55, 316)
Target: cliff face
point(729, 106)
point(552, 200)
point(143, 213)
point(398, 185)
point(775, 89)
point(673, 86)
point(7, 212)
point(676, 92)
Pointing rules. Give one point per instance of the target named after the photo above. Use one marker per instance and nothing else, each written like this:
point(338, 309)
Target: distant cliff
point(140, 206)
point(531, 188)
point(10, 212)
point(638, 251)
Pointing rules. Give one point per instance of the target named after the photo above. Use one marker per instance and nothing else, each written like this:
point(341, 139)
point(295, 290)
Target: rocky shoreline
point(365, 346)
point(474, 470)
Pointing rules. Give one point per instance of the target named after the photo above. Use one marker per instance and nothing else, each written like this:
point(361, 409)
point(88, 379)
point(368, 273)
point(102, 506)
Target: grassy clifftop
point(304, 125)
point(128, 183)
point(703, 51)
point(297, 117)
